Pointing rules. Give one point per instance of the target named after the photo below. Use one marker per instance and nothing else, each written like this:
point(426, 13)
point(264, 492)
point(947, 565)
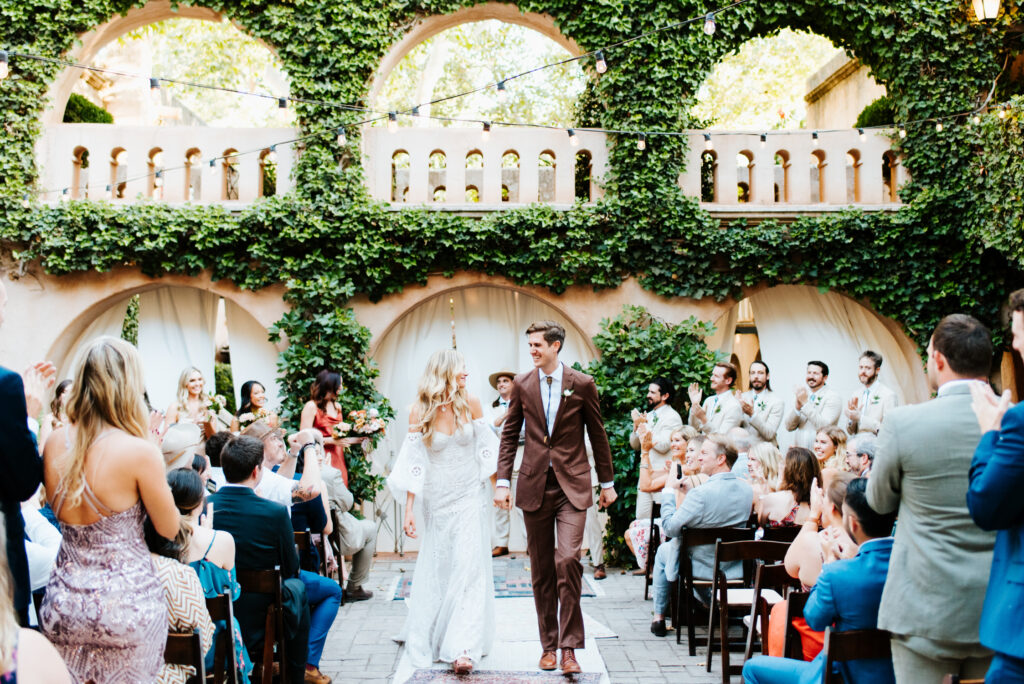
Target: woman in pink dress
point(322, 412)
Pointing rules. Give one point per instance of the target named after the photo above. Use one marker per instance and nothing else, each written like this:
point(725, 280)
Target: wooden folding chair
point(742, 597)
point(335, 540)
point(781, 534)
point(268, 582)
point(792, 646)
point(221, 608)
point(186, 649)
point(653, 542)
point(767, 576)
point(684, 607)
point(856, 644)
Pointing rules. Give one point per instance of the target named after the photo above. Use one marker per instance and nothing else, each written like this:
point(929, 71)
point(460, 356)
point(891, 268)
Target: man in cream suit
point(939, 570)
point(720, 412)
point(662, 420)
point(762, 410)
point(502, 381)
point(866, 409)
point(817, 406)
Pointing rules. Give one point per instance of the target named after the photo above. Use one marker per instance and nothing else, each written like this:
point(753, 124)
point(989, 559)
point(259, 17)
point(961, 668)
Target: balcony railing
point(460, 169)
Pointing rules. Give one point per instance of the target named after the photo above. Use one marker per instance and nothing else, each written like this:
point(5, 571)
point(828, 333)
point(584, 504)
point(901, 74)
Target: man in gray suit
point(940, 559)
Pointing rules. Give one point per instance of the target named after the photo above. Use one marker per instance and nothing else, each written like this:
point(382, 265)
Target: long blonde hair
point(8, 621)
point(439, 387)
point(106, 393)
point(838, 437)
point(204, 398)
point(770, 458)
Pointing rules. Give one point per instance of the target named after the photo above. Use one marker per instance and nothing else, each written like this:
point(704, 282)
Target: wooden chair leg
point(724, 637)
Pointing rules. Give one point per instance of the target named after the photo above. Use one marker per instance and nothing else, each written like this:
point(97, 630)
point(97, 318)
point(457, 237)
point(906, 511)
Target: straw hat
point(505, 373)
point(179, 445)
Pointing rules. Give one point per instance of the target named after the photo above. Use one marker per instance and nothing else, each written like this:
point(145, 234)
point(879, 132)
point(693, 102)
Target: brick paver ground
point(359, 647)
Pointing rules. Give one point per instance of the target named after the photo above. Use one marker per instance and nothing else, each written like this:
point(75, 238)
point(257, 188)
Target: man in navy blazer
point(995, 502)
point(845, 597)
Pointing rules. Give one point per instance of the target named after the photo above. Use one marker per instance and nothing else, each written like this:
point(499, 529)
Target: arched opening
point(155, 171)
point(118, 172)
point(440, 194)
point(853, 164)
point(709, 176)
point(474, 175)
point(584, 176)
point(437, 172)
point(745, 189)
point(80, 173)
point(890, 177)
point(780, 174)
point(817, 179)
point(510, 176)
point(230, 174)
point(193, 175)
point(267, 183)
point(472, 194)
point(546, 176)
point(399, 175)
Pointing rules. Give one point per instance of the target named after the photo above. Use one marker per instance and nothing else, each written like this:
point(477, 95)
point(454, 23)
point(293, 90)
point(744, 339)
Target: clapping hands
point(988, 408)
point(38, 379)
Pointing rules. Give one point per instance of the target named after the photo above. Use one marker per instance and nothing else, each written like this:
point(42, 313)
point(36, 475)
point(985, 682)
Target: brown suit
point(554, 492)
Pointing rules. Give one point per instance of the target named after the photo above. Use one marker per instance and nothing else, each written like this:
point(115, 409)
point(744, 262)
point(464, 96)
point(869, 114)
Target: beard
point(757, 385)
point(651, 403)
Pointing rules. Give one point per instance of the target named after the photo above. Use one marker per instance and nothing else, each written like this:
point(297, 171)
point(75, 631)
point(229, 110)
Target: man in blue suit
point(846, 597)
point(995, 502)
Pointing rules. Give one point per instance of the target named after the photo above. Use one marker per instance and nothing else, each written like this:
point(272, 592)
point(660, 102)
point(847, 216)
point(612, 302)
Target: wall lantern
point(986, 10)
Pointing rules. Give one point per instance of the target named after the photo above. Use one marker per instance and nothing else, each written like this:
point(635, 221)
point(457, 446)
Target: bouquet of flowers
point(217, 404)
point(262, 413)
point(365, 422)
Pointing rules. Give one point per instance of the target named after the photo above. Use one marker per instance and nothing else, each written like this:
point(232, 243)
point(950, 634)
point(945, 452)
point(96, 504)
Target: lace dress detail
point(451, 605)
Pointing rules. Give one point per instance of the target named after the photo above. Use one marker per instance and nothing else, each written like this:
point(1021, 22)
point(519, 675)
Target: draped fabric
point(253, 356)
point(110, 322)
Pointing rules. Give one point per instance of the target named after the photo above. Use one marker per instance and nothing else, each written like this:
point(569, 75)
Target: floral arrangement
point(365, 422)
point(217, 404)
point(262, 413)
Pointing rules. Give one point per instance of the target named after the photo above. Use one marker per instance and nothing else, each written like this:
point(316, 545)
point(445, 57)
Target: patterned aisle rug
point(511, 580)
point(501, 677)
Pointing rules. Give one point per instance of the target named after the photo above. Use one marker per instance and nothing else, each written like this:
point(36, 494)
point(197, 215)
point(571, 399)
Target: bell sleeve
point(485, 447)
point(410, 468)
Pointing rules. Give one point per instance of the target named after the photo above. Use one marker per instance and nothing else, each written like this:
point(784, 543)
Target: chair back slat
point(653, 542)
point(856, 644)
point(186, 649)
point(768, 576)
point(221, 608)
point(787, 533)
point(268, 582)
point(791, 645)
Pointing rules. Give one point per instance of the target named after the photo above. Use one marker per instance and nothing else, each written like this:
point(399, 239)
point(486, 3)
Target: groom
point(560, 406)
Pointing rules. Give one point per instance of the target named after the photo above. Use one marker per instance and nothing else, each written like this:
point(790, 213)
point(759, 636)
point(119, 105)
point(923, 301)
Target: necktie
point(547, 409)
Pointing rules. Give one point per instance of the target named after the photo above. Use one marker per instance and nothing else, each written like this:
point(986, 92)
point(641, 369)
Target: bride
point(446, 460)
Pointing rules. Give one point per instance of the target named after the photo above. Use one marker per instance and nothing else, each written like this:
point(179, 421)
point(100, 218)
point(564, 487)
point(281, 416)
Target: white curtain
point(176, 330)
point(110, 322)
point(798, 323)
point(253, 356)
point(490, 325)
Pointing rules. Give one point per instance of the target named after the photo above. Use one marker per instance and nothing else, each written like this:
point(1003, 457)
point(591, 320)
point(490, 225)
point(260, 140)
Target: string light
point(486, 134)
point(764, 140)
point(392, 122)
point(282, 103)
point(108, 189)
point(903, 131)
point(976, 119)
point(5, 67)
point(1002, 113)
point(342, 140)
point(938, 126)
point(415, 110)
point(814, 138)
point(641, 142)
point(271, 157)
point(599, 63)
point(154, 90)
point(573, 140)
point(709, 23)
point(708, 145)
point(860, 132)
point(502, 92)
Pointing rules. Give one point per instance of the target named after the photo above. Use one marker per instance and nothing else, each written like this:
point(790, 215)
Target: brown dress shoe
point(548, 660)
point(569, 664)
point(599, 572)
point(358, 594)
point(315, 676)
point(499, 551)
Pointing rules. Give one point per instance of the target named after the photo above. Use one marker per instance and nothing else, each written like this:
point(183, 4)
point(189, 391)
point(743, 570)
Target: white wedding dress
point(451, 605)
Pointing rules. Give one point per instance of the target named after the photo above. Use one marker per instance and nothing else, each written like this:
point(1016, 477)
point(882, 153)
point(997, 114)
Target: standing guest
point(720, 412)
point(817, 406)
point(845, 597)
point(860, 453)
point(57, 417)
point(104, 607)
point(254, 407)
point(593, 529)
point(830, 448)
point(192, 403)
point(941, 559)
point(323, 412)
point(997, 478)
point(263, 535)
point(762, 409)
point(24, 652)
point(868, 408)
point(662, 420)
point(791, 504)
point(502, 382)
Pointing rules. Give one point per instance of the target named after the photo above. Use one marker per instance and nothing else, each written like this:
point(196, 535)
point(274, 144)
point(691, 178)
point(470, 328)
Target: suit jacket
point(663, 423)
point(263, 538)
point(940, 558)
point(23, 471)
point(724, 500)
point(880, 402)
point(722, 413)
point(821, 410)
point(995, 502)
point(579, 411)
point(763, 426)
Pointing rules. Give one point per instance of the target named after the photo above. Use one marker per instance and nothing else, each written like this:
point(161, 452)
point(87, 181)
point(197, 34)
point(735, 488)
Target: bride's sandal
point(462, 665)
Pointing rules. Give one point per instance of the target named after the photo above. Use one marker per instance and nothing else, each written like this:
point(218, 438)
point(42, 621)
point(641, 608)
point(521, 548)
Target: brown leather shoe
point(358, 594)
point(315, 676)
point(499, 551)
point(569, 664)
point(599, 572)
point(548, 660)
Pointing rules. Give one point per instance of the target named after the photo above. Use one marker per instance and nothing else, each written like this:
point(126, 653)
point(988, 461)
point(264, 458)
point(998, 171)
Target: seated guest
point(186, 607)
point(723, 501)
point(213, 446)
point(845, 597)
point(860, 453)
point(57, 417)
point(741, 441)
point(201, 466)
point(830, 448)
point(179, 445)
point(279, 486)
point(263, 536)
point(764, 462)
point(792, 502)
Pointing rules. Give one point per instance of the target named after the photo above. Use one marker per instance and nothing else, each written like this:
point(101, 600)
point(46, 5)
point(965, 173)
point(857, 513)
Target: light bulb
point(154, 90)
point(502, 92)
point(641, 142)
point(976, 119)
point(903, 131)
point(282, 103)
point(416, 110)
point(1002, 113)
point(213, 167)
point(573, 140)
point(599, 63)
point(4, 65)
point(938, 126)
point(709, 23)
point(486, 133)
point(764, 139)
point(342, 140)
point(814, 138)
point(392, 122)
point(860, 132)
point(708, 145)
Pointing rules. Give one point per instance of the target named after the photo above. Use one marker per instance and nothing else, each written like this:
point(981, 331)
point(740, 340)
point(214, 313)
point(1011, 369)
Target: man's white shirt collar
point(556, 375)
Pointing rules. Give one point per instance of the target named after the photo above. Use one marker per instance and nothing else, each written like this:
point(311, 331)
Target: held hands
point(988, 408)
point(607, 498)
point(502, 499)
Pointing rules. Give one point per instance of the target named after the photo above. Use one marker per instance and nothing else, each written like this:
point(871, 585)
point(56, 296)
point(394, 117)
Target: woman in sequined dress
point(104, 608)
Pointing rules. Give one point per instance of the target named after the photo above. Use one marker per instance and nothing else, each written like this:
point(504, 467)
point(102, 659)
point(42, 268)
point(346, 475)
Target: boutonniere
point(816, 399)
point(654, 420)
point(718, 408)
point(875, 399)
point(567, 393)
point(760, 404)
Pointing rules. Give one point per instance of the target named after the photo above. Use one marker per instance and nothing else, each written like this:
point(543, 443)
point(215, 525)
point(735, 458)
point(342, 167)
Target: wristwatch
point(306, 446)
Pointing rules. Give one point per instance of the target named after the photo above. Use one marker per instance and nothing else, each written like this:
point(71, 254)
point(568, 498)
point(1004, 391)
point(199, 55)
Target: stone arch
point(432, 25)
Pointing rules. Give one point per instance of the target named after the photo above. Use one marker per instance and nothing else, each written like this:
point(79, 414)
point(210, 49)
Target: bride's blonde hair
point(107, 392)
point(439, 387)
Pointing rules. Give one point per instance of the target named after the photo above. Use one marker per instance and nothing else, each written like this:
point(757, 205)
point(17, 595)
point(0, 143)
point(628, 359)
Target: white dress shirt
point(550, 395)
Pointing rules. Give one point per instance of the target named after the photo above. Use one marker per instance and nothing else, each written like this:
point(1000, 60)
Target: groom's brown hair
point(553, 332)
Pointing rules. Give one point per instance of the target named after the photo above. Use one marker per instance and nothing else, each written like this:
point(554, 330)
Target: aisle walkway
point(359, 647)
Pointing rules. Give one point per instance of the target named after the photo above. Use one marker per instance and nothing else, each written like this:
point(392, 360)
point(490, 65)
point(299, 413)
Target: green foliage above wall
point(81, 110)
point(879, 113)
point(955, 245)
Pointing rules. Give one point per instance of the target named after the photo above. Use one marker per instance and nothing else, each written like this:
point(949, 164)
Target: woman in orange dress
point(323, 413)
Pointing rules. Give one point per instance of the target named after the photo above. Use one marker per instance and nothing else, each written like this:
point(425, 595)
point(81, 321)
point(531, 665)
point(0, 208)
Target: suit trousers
point(554, 537)
point(594, 533)
point(913, 667)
